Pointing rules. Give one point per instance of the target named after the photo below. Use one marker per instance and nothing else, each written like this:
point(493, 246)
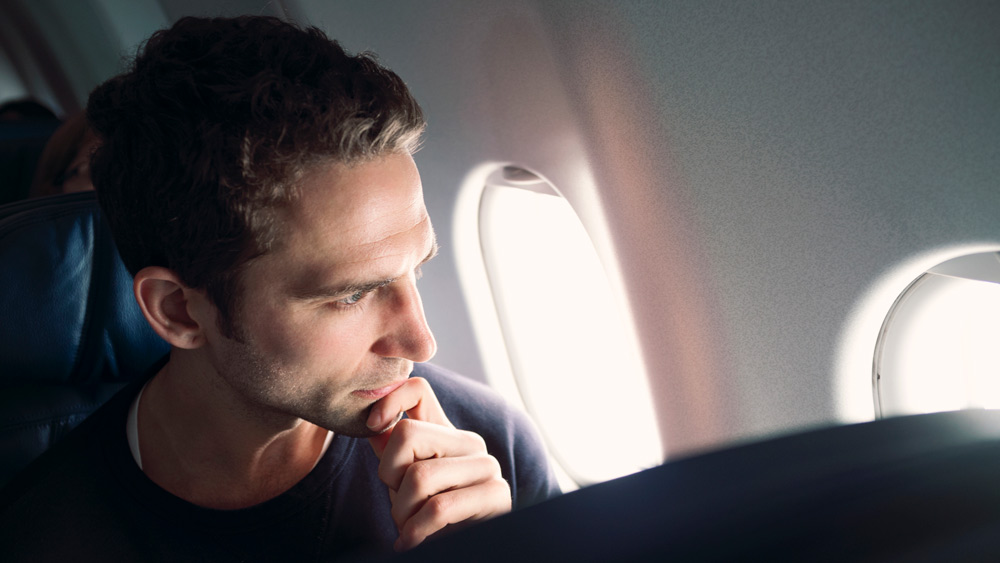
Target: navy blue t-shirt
point(87, 500)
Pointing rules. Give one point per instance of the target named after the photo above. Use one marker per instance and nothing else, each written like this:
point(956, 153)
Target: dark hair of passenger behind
point(204, 138)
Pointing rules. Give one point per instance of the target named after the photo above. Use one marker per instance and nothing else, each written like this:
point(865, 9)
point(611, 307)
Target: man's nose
point(406, 332)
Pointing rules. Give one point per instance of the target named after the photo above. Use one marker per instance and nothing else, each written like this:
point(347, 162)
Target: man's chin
point(354, 427)
point(355, 432)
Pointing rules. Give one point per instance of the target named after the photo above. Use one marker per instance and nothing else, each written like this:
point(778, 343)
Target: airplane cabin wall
point(829, 151)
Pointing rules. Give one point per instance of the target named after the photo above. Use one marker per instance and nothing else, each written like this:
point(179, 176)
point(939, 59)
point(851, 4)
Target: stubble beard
point(263, 383)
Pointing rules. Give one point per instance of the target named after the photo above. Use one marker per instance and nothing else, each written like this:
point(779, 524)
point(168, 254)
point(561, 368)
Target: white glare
point(576, 366)
point(940, 348)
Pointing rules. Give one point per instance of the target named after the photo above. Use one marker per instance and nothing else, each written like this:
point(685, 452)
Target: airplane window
point(937, 347)
point(574, 366)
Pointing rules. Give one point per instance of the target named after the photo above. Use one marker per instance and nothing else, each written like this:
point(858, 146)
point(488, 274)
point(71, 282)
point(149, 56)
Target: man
point(260, 186)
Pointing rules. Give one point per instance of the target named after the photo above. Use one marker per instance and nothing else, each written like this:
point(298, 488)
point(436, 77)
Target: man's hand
point(437, 475)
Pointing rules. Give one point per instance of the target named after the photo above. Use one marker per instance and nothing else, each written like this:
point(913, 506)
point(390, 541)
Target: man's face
point(331, 320)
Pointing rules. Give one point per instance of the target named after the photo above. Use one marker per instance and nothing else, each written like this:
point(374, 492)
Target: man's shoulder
point(70, 468)
point(464, 399)
point(57, 495)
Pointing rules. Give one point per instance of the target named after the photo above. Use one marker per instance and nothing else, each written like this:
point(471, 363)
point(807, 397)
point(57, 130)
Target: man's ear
point(170, 306)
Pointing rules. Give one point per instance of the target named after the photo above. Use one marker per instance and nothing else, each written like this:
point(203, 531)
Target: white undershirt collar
point(132, 431)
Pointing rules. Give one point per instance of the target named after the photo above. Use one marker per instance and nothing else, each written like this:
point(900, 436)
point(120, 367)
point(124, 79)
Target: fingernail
point(375, 419)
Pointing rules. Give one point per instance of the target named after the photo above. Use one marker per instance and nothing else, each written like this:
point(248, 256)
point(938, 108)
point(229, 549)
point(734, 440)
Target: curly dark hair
point(205, 137)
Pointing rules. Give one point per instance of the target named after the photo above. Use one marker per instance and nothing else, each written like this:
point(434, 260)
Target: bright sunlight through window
point(938, 346)
point(574, 361)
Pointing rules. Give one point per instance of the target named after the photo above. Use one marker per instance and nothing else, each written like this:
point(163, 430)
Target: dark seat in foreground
point(71, 333)
point(918, 488)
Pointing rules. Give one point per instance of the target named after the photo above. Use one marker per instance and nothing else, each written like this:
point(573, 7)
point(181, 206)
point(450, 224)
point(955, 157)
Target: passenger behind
point(64, 166)
point(25, 128)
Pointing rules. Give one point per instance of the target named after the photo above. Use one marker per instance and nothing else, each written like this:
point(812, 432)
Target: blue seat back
point(71, 333)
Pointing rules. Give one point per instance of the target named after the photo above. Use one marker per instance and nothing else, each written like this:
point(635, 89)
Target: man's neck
point(206, 446)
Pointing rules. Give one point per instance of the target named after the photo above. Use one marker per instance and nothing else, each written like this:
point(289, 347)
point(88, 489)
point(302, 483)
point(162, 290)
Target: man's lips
point(376, 394)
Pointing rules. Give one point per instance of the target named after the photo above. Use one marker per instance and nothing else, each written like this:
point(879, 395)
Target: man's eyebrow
point(329, 292)
point(433, 252)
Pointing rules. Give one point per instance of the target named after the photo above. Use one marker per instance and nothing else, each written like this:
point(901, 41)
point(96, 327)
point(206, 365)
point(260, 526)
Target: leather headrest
point(66, 303)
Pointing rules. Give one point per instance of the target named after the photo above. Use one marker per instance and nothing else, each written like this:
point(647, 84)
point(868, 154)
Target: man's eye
point(353, 298)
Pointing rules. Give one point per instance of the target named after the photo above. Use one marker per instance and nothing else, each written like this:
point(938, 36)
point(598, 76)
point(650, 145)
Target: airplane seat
point(916, 488)
point(72, 334)
point(21, 145)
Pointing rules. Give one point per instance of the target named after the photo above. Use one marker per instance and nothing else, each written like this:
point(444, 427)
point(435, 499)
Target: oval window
point(938, 347)
point(574, 361)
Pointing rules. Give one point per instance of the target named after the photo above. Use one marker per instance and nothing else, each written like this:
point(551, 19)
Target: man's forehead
point(357, 217)
point(360, 196)
point(366, 248)
point(352, 268)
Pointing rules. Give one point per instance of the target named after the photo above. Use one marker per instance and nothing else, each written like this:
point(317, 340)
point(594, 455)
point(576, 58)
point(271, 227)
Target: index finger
point(414, 397)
